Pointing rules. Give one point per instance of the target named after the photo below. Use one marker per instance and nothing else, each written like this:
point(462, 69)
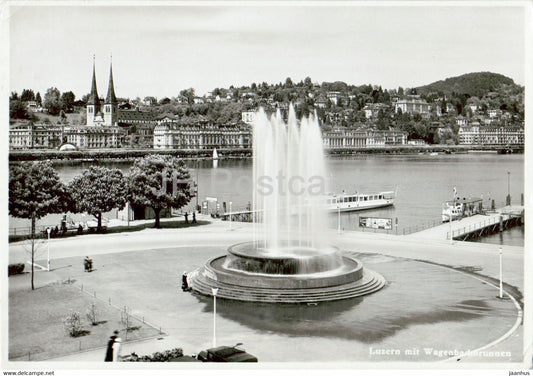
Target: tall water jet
point(290, 259)
point(289, 181)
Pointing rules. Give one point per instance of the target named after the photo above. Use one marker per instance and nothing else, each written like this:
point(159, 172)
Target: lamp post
point(508, 188)
point(451, 214)
point(197, 166)
point(215, 291)
point(48, 230)
point(501, 273)
point(230, 211)
point(338, 218)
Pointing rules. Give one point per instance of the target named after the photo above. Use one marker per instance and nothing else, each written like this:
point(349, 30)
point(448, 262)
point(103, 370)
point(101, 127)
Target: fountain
point(289, 259)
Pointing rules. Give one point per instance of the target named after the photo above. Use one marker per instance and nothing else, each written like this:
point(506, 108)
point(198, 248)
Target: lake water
point(422, 183)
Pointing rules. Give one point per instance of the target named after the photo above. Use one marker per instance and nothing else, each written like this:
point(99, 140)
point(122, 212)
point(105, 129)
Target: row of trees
point(35, 190)
point(54, 102)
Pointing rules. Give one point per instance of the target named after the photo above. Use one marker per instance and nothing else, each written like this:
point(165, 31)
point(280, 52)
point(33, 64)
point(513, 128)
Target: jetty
point(476, 225)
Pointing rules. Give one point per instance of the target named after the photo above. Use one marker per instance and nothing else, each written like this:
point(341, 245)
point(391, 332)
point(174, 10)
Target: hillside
point(473, 84)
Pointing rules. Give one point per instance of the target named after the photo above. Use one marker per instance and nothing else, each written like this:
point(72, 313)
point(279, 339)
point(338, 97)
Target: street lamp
point(48, 230)
point(501, 273)
point(230, 211)
point(215, 291)
point(197, 167)
point(509, 188)
point(338, 218)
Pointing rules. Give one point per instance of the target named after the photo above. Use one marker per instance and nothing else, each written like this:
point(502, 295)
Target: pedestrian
point(116, 348)
point(80, 229)
point(110, 345)
point(186, 218)
point(184, 283)
point(193, 217)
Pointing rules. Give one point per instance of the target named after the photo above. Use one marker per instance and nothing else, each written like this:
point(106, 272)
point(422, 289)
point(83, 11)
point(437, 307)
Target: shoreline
point(128, 155)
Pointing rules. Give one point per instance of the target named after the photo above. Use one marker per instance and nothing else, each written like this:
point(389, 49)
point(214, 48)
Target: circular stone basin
point(292, 274)
point(293, 259)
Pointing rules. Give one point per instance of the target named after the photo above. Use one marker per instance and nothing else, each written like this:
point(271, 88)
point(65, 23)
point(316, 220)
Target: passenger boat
point(359, 201)
point(461, 207)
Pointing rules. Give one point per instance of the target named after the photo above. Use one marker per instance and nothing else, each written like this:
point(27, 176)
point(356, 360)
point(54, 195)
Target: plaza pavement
point(478, 256)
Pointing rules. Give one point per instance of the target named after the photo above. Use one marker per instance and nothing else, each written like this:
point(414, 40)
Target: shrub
point(93, 314)
point(13, 269)
point(164, 356)
point(73, 324)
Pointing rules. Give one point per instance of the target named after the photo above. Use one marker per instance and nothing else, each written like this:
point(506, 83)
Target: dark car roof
point(232, 354)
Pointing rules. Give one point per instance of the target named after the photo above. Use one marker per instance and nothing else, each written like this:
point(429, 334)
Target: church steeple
point(94, 100)
point(111, 104)
point(111, 98)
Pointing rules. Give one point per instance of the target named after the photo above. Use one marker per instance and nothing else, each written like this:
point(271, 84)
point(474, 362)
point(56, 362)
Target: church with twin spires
point(106, 115)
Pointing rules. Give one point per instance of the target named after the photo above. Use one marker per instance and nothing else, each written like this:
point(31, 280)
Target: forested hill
point(473, 84)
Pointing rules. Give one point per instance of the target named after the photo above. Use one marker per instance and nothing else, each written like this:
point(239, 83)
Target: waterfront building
point(476, 135)
point(35, 136)
point(171, 135)
point(350, 138)
point(411, 106)
point(91, 137)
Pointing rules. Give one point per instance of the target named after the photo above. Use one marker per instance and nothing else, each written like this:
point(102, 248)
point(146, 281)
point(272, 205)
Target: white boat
point(359, 201)
point(461, 207)
point(215, 154)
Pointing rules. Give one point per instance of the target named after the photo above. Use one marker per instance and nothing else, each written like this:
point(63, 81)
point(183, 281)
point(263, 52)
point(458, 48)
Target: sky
point(160, 50)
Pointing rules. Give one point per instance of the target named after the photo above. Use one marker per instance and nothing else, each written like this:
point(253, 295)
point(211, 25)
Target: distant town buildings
point(372, 109)
point(35, 136)
point(349, 138)
point(248, 117)
point(475, 135)
point(411, 106)
point(171, 135)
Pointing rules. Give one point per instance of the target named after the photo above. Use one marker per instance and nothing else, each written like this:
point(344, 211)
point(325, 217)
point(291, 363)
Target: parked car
point(226, 354)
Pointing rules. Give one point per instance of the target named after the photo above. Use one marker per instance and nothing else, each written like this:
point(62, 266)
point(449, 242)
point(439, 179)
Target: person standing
point(186, 218)
point(116, 349)
point(193, 217)
point(110, 347)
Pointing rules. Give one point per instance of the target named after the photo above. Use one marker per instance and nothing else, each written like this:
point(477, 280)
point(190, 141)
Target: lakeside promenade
point(189, 246)
point(130, 154)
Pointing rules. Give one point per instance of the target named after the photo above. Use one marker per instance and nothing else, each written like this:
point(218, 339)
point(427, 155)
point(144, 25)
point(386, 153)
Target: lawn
point(36, 329)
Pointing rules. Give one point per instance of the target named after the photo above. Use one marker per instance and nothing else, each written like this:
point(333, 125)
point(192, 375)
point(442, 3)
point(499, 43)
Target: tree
point(99, 190)
point(35, 190)
point(17, 110)
point(67, 101)
point(159, 182)
point(187, 96)
point(38, 99)
point(27, 95)
point(14, 96)
point(288, 82)
point(52, 101)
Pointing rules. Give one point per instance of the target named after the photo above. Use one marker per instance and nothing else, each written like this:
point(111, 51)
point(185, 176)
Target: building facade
point(170, 135)
point(35, 136)
point(491, 136)
point(348, 138)
point(91, 137)
point(411, 106)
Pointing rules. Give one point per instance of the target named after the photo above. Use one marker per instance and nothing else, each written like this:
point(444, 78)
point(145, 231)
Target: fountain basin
point(249, 273)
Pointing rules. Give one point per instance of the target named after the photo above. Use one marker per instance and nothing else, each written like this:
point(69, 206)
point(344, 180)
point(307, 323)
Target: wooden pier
point(476, 225)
